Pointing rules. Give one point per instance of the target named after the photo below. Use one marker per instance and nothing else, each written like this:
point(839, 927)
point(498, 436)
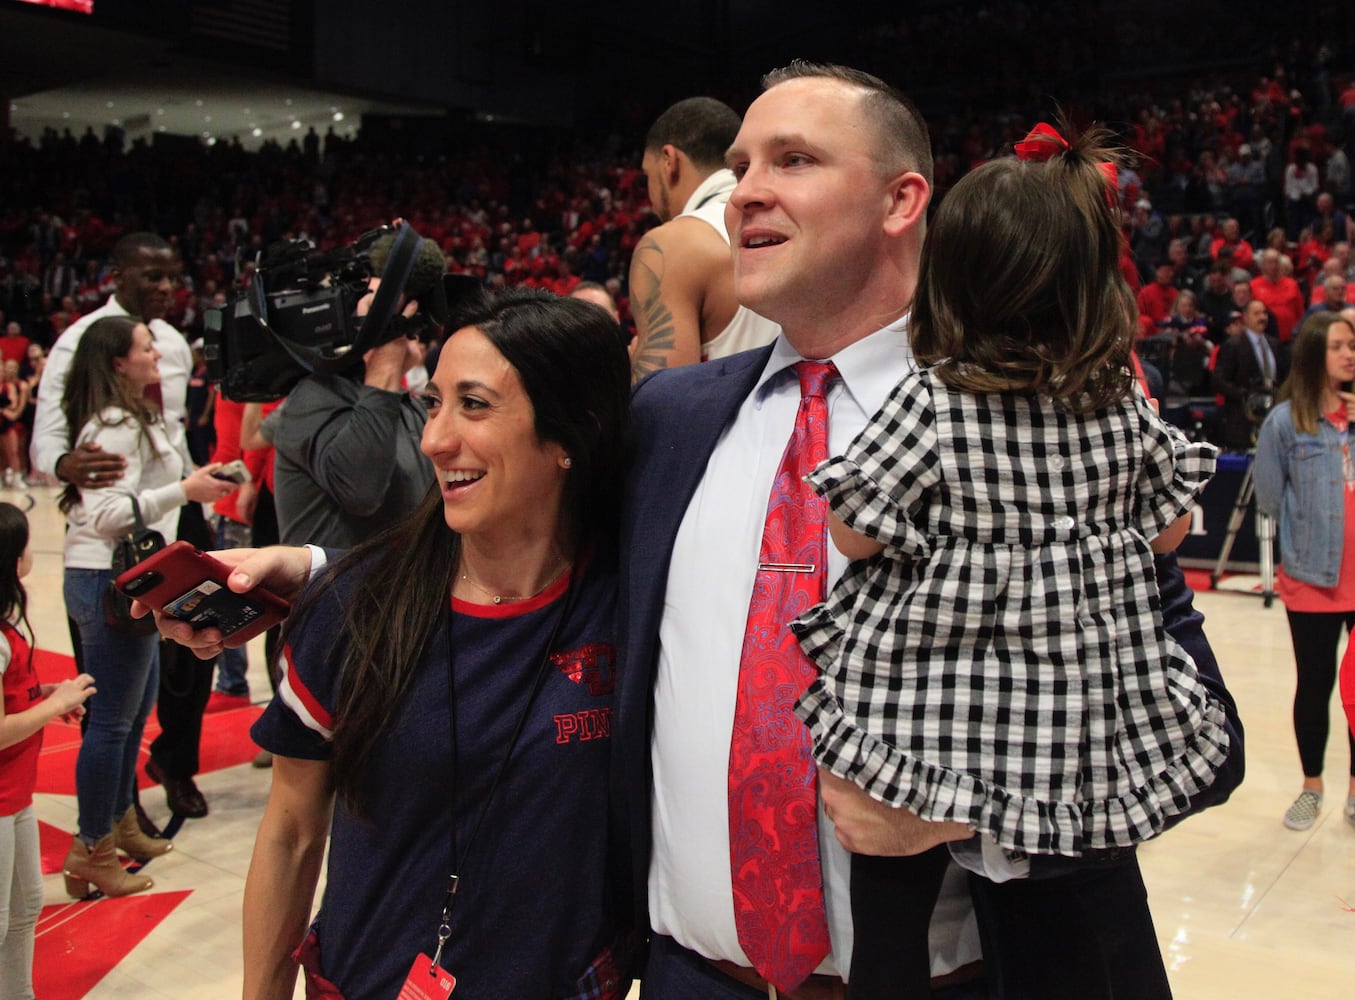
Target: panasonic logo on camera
point(313, 309)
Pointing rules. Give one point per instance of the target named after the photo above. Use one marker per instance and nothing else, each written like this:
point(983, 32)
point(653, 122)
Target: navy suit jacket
point(677, 416)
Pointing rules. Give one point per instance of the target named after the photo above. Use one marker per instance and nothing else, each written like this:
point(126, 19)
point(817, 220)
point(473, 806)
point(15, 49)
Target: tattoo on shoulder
point(657, 332)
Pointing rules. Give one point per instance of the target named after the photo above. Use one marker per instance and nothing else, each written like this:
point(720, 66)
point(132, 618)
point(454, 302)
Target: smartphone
point(233, 472)
point(186, 583)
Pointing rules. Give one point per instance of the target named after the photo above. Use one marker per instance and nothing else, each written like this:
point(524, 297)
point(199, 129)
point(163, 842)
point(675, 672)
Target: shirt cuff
point(318, 561)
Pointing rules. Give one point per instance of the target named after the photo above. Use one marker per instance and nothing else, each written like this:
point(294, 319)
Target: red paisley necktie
point(773, 791)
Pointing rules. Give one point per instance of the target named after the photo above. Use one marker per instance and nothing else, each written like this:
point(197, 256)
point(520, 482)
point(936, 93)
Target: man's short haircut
point(904, 141)
point(701, 127)
point(127, 249)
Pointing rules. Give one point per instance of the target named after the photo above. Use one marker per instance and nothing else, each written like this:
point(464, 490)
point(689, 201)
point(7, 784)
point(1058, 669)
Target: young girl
point(1003, 663)
point(27, 707)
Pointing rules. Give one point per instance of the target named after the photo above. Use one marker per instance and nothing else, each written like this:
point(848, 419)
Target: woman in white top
point(105, 403)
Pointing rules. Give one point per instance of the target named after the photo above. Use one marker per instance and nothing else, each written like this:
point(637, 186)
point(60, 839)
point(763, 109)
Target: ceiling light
point(338, 116)
point(295, 123)
point(257, 132)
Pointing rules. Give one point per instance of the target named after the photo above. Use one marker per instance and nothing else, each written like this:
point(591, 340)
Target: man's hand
point(1349, 399)
point(864, 826)
point(247, 501)
point(89, 466)
point(386, 365)
point(283, 569)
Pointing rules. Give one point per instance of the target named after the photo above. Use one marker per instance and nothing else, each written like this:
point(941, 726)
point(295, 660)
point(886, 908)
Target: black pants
point(892, 903)
point(1081, 932)
point(185, 681)
point(1316, 636)
point(265, 532)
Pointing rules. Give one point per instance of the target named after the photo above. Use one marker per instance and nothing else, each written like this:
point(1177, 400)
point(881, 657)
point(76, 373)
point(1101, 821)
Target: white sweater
point(154, 469)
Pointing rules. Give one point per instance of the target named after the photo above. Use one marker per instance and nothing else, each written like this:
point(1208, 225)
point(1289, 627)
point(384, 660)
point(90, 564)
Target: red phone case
point(190, 585)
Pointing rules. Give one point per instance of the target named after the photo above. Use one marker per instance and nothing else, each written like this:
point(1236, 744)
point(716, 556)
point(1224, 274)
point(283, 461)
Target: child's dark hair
point(1020, 288)
point(13, 541)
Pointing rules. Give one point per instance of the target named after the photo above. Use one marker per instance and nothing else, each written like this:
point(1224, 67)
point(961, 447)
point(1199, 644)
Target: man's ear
point(672, 163)
point(909, 194)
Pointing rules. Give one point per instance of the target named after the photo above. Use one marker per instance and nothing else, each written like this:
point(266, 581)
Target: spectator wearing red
point(14, 345)
point(1156, 300)
point(1280, 295)
point(1230, 235)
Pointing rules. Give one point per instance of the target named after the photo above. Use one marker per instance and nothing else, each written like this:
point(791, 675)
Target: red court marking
point(79, 943)
point(225, 736)
point(54, 843)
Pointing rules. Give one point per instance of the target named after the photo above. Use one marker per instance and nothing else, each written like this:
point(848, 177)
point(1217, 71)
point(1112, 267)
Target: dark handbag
point(138, 544)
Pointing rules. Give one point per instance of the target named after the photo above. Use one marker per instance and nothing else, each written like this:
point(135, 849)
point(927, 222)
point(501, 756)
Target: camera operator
point(1249, 367)
point(347, 446)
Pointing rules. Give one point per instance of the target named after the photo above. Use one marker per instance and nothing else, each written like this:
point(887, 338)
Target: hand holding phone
point(184, 583)
point(233, 472)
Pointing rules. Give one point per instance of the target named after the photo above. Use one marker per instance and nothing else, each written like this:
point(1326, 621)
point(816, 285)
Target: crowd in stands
point(1253, 157)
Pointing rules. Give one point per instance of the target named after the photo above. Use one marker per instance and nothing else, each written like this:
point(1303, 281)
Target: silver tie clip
point(786, 567)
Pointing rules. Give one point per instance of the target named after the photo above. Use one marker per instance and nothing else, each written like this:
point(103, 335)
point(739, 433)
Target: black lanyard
point(458, 859)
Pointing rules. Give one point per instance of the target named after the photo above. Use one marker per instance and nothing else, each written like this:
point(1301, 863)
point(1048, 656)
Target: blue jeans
point(232, 664)
point(126, 672)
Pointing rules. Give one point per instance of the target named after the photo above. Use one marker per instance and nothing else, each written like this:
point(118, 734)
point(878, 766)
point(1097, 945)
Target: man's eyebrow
point(778, 141)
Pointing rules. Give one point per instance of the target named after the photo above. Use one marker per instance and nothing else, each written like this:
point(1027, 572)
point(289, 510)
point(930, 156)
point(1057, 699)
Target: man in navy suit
point(826, 226)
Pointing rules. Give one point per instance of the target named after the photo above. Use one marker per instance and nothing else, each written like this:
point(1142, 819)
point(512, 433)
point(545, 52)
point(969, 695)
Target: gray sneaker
point(1303, 813)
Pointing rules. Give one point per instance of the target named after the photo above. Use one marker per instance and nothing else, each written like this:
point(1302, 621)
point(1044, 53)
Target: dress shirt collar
point(870, 367)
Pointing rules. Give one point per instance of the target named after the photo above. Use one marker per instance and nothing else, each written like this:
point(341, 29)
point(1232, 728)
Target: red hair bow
point(1043, 141)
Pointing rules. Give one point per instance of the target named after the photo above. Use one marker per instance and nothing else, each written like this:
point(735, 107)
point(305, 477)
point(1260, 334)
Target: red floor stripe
point(53, 843)
point(80, 943)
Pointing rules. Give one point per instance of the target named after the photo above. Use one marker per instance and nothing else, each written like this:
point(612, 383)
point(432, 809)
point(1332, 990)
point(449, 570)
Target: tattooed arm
point(681, 294)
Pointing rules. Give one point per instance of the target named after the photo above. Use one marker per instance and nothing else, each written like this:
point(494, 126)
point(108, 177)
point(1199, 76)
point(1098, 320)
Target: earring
point(568, 462)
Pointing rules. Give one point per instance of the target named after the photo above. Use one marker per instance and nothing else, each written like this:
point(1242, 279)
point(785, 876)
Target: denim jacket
point(1300, 481)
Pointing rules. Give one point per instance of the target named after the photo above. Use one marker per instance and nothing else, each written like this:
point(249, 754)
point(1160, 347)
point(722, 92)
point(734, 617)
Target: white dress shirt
point(710, 583)
point(51, 436)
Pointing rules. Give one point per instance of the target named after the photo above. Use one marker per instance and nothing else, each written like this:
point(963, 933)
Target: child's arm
point(61, 699)
point(1171, 537)
point(851, 544)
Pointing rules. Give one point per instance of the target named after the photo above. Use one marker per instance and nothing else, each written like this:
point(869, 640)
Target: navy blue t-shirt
point(533, 907)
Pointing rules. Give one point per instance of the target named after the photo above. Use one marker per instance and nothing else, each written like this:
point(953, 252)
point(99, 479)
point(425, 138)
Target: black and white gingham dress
point(1003, 661)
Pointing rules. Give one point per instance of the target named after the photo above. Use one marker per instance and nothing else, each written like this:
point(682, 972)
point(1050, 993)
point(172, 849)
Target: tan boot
point(128, 838)
point(98, 866)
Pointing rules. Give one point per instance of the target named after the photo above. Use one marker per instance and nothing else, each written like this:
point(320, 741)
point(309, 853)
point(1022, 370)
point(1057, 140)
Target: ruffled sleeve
point(877, 487)
point(1174, 474)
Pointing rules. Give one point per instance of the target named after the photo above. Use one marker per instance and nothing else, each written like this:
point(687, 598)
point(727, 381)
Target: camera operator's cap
point(1143, 203)
point(1244, 150)
point(1234, 316)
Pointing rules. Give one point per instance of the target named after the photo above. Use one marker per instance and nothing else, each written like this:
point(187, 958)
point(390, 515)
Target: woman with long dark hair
point(445, 712)
point(1305, 478)
point(105, 403)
